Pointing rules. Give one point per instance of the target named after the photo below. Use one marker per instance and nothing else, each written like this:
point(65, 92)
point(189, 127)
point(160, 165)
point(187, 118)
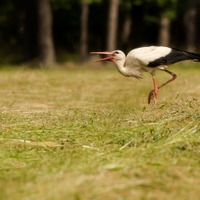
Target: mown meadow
point(87, 133)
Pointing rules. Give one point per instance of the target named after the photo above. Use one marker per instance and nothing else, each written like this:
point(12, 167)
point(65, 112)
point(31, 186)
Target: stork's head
point(113, 56)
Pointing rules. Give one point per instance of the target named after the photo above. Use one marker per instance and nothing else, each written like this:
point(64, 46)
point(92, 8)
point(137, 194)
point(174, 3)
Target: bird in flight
point(148, 59)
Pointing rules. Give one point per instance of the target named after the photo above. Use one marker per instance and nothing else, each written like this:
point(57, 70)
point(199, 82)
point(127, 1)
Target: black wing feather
point(174, 56)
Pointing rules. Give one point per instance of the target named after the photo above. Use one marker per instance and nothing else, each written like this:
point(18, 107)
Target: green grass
point(89, 134)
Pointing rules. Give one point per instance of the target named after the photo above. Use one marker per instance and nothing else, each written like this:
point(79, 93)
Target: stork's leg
point(155, 91)
point(153, 94)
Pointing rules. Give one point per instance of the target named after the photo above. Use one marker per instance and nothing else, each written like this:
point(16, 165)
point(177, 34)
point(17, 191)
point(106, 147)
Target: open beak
point(110, 56)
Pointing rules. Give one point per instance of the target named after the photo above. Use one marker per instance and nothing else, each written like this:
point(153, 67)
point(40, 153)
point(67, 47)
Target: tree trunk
point(164, 33)
point(126, 30)
point(190, 25)
point(46, 52)
point(112, 24)
point(84, 29)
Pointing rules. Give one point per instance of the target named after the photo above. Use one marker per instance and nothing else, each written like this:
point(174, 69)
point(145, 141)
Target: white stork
point(148, 59)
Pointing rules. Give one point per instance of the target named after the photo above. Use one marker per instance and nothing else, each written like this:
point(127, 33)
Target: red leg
point(155, 91)
point(153, 94)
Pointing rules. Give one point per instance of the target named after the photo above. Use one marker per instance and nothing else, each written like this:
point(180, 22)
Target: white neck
point(129, 71)
point(120, 67)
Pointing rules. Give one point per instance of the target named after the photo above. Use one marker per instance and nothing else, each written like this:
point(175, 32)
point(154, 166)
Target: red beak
point(109, 58)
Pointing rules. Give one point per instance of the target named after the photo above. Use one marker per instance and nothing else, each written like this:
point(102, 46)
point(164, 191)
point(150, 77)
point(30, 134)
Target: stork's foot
point(153, 96)
point(150, 96)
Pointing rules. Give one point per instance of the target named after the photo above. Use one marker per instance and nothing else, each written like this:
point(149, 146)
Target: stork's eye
point(116, 52)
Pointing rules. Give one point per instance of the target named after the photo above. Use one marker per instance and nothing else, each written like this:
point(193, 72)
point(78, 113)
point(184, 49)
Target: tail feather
point(189, 55)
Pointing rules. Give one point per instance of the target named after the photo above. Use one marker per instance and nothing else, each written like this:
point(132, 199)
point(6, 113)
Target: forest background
point(55, 31)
